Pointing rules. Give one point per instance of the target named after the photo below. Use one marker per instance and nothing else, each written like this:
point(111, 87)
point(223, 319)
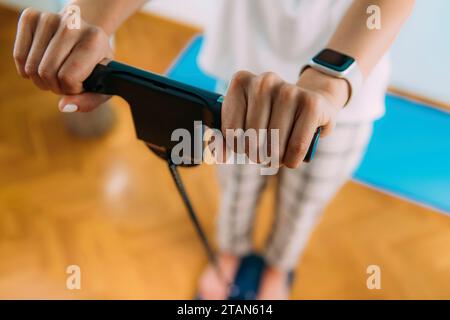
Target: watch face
point(333, 60)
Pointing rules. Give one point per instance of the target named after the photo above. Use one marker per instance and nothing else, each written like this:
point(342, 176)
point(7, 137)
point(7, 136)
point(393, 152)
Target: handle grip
point(126, 81)
point(96, 81)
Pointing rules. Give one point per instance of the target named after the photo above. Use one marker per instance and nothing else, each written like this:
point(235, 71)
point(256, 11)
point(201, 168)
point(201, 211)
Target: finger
point(24, 38)
point(45, 30)
point(234, 107)
point(327, 128)
point(56, 53)
point(80, 63)
point(301, 136)
point(259, 108)
point(282, 118)
point(84, 102)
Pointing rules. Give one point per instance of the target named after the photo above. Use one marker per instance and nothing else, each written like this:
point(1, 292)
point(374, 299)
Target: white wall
point(421, 54)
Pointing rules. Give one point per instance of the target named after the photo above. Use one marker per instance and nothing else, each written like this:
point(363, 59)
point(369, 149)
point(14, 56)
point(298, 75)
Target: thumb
point(83, 102)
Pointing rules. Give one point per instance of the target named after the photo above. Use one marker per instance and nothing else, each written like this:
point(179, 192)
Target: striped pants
point(302, 195)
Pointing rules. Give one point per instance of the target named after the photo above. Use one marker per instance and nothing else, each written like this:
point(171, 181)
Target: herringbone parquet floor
point(109, 206)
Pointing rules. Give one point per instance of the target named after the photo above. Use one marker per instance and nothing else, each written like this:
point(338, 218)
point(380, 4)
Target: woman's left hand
point(267, 102)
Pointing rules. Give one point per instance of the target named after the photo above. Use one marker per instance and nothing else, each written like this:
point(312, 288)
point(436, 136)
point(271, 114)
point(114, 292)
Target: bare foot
point(274, 285)
point(211, 286)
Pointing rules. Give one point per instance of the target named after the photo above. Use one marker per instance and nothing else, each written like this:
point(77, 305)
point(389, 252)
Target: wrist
point(93, 13)
point(336, 90)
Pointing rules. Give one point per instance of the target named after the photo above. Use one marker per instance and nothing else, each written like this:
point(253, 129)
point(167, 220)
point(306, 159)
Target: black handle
point(96, 80)
point(110, 80)
point(123, 80)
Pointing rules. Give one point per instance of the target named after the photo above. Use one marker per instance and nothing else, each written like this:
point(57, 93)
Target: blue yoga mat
point(409, 154)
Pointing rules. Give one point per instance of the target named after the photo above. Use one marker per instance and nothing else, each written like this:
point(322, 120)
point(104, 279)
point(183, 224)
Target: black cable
point(198, 228)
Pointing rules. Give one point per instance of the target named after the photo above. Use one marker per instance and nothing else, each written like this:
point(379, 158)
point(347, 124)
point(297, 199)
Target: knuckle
point(288, 93)
point(73, 66)
point(92, 39)
point(28, 15)
point(49, 20)
point(95, 34)
point(310, 103)
point(45, 73)
point(227, 124)
point(309, 100)
point(67, 80)
point(31, 69)
point(240, 78)
point(298, 148)
point(270, 77)
point(45, 17)
point(268, 81)
point(19, 56)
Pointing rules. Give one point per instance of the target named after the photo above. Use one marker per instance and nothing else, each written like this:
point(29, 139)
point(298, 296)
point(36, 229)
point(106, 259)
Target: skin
point(58, 59)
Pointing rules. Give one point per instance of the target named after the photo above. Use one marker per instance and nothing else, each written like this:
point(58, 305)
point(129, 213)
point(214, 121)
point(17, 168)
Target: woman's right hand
point(59, 59)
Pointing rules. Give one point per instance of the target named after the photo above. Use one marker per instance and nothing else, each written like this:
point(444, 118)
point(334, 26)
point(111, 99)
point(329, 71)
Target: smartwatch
point(338, 65)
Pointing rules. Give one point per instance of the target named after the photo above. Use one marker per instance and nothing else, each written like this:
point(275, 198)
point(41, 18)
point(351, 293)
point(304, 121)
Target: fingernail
point(69, 108)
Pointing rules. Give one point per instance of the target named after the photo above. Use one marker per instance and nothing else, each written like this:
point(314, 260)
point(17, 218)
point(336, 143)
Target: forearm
point(354, 38)
point(107, 14)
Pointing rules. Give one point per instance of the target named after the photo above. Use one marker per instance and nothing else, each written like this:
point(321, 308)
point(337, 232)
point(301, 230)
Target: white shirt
point(282, 36)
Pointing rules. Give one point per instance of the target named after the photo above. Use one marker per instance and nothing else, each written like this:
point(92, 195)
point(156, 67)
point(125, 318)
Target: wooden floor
point(109, 206)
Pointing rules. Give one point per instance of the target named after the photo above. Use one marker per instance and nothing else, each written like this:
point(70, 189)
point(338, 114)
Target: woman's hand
point(297, 110)
point(59, 59)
